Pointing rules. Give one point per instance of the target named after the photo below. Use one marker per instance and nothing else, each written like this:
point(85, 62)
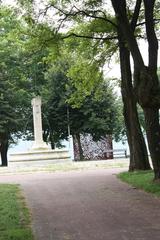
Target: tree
point(99, 30)
point(13, 97)
point(146, 82)
point(138, 150)
point(95, 113)
point(135, 138)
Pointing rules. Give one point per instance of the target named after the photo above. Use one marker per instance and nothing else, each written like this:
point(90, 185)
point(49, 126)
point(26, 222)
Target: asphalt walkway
point(88, 205)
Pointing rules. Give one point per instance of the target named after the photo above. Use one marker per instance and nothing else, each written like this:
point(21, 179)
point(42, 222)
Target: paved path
point(88, 205)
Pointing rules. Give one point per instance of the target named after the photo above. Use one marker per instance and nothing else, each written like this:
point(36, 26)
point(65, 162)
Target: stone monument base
point(39, 155)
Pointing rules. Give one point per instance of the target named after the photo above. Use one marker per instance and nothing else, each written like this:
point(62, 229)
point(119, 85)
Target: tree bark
point(78, 151)
point(80, 147)
point(51, 138)
point(153, 136)
point(152, 113)
point(146, 81)
point(138, 151)
point(127, 31)
point(4, 149)
point(151, 35)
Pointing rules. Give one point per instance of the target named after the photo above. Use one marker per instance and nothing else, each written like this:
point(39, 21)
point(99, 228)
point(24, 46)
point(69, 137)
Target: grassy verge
point(14, 216)
point(142, 180)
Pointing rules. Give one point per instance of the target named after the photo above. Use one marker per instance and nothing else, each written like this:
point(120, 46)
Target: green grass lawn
point(14, 216)
point(142, 180)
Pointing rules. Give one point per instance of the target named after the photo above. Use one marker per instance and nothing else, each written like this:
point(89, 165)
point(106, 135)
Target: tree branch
point(91, 14)
point(151, 35)
point(156, 21)
point(89, 37)
point(134, 20)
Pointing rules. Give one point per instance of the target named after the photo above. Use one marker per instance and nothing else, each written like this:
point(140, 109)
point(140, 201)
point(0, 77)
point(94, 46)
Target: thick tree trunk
point(146, 81)
point(4, 150)
point(153, 136)
point(138, 151)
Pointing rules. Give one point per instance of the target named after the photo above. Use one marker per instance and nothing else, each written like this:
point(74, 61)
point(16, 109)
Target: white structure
point(39, 144)
point(40, 150)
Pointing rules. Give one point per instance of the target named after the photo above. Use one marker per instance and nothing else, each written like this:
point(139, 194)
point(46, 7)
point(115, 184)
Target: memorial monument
point(39, 150)
point(38, 144)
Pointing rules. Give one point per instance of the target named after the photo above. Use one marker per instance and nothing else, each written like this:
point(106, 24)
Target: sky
point(9, 2)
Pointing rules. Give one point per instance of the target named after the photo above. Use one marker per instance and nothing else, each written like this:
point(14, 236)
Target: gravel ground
point(88, 205)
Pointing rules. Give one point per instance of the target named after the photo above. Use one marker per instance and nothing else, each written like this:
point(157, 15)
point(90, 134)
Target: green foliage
point(85, 108)
point(81, 79)
point(98, 50)
point(15, 219)
point(141, 180)
point(119, 133)
point(55, 107)
point(12, 79)
point(84, 79)
point(22, 71)
point(39, 36)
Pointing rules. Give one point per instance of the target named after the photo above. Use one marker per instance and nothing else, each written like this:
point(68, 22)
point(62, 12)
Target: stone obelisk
point(40, 150)
point(37, 123)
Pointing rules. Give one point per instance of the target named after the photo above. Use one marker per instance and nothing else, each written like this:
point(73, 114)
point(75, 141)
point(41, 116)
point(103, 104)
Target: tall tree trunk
point(138, 151)
point(153, 136)
point(4, 149)
point(152, 113)
point(146, 82)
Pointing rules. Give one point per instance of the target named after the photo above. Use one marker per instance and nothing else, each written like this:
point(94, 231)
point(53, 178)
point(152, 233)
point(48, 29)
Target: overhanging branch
point(90, 14)
point(89, 37)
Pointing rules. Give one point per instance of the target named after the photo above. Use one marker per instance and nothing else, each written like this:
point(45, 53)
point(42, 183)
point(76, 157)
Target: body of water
point(23, 146)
